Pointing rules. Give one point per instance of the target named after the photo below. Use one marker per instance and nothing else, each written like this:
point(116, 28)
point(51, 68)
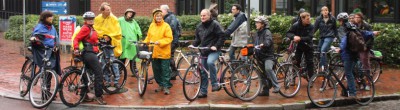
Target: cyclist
point(173, 22)
point(88, 36)
point(161, 34)
point(326, 24)
point(349, 57)
point(107, 27)
point(301, 32)
point(130, 31)
point(45, 32)
point(209, 33)
point(263, 39)
point(238, 29)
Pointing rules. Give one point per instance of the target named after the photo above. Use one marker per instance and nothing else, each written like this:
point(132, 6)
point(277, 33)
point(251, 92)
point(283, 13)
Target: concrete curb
point(288, 106)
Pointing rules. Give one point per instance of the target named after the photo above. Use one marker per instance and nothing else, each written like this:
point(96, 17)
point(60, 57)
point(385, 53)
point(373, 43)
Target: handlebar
point(200, 48)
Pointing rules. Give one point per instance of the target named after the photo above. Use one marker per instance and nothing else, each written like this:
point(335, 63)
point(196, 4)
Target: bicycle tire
point(183, 65)
point(142, 78)
point(69, 79)
point(192, 77)
point(288, 77)
point(47, 99)
point(376, 70)
point(121, 81)
point(323, 80)
point(243, 71)
point(365, 100)
point(25, 77)
point(226, 79)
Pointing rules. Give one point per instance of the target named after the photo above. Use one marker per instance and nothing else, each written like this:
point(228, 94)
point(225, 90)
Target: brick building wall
point(142, 7)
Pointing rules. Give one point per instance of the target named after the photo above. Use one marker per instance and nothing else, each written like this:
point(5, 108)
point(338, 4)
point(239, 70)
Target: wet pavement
point(11, 63)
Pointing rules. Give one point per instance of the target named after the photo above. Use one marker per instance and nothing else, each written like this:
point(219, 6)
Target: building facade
point(375, 10)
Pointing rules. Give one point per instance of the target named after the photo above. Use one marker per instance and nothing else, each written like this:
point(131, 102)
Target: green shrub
point(387, 42)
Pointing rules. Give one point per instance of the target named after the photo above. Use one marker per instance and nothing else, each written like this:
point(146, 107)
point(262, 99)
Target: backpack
point(355, 41)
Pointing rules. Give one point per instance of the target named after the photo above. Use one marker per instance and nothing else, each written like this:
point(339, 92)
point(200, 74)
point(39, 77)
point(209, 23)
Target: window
point(4, 5)
point(355, 6)
point(188, 7)
point(383, 8)
point(306, 4)
point(280, 7)
point(322, 3)
point(228, 5)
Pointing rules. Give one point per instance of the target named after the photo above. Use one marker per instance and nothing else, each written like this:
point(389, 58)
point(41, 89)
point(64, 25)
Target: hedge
point(279, 25)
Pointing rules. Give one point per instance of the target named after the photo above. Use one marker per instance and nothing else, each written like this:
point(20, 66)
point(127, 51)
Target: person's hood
point(154, 20)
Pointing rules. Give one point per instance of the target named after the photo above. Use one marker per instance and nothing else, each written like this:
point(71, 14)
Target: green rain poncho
point(130, 31)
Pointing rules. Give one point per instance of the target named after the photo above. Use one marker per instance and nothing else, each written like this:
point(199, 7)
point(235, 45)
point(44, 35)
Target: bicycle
point(109, 66)
point(28, 71)
point(192, 76)
point(324, 83)
point(41, 93)
point(183, 60)
point(74, 82)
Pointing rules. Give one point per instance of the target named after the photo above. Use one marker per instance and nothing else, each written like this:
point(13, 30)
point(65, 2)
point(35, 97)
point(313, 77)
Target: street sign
point(67, 26)
point(55, 7)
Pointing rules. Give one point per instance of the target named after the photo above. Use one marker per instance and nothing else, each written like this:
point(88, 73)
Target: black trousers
point(309, 54)
point(92, 62)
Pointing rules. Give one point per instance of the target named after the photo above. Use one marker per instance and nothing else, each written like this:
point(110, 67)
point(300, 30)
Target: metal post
point(248, 17)
point(23, 33)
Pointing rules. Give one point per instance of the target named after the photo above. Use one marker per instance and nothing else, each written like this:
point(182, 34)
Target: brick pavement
point(11, 62)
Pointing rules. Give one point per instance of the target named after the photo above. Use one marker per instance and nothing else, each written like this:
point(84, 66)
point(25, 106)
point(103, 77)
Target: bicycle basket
point(144, 55)
point(248, 50)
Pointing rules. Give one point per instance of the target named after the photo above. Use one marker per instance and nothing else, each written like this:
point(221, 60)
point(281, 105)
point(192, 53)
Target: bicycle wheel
point(26, 76)
point(289, 80)
point(192, 82)
point(71, 90)
point(226, 78)
point(319, 92)
point(183, 65)
point(116, 76)
point(365, 89)
point(376, 70)
point(142, 78)
point(43, 89)
point(336, 65)
point(243, 85)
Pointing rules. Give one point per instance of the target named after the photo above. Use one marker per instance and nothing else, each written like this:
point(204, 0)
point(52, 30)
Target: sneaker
point(116, 85)
point(166, 91)
point(276, 90)
point(160, 88)
point(367, 88)
point(87, 99)
point(101, 101)
point(107, 84)
point(215, 88)
point(202, 95)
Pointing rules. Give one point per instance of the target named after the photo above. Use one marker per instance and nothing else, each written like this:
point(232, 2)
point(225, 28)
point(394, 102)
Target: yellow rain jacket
point(162, 33)
point(109, 26)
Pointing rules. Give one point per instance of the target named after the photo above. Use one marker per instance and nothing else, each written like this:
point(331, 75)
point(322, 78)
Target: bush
point(387, 42)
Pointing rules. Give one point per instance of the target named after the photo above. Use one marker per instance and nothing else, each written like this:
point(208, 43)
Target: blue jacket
point(50, 34)
point(347, 54)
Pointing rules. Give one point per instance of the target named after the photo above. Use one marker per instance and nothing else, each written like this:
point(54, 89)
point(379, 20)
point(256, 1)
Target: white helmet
point(88, 15)
point(262, 19)
point(342, 15)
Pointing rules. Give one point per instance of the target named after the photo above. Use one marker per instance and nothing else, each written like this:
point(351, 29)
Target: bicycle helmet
point(342, 15)
point(88, 15)
point(262, 19)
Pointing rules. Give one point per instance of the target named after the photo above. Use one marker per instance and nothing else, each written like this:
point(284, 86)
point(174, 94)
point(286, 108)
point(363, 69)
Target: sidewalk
point(11, 62)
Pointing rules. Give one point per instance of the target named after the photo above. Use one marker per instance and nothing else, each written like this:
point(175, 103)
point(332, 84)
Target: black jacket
point(170, 18)
point(239, 19)
point(208, 34)
point(305, 33)
point(328, 29)
point(266, 52)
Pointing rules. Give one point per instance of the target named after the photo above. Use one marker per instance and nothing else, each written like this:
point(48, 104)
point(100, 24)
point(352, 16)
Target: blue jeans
point(209, 64)
point(324, 46)
point(232, 53)
point(348, 71)
point(268, 72)
point(115, 68)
